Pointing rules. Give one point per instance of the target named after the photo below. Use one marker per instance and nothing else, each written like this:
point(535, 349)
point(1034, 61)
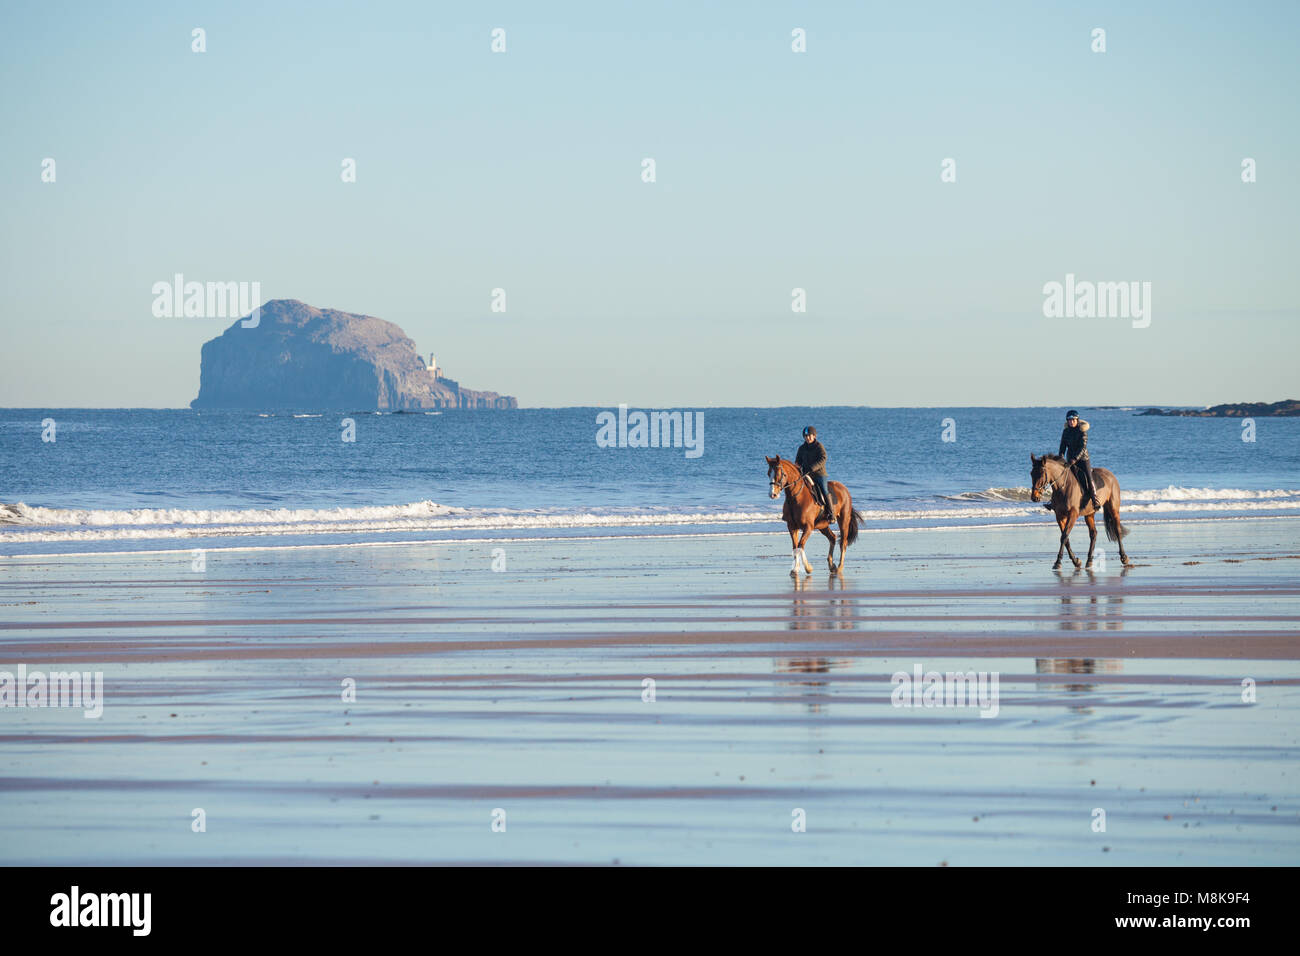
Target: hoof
point(1088, 566)
point(1056, 566)
point(1076, 562)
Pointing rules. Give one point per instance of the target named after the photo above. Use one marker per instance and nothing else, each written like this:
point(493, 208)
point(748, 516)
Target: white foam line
point(386, 544)
point(584, 537)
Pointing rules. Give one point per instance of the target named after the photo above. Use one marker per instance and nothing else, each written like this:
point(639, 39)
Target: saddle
point(812, 486)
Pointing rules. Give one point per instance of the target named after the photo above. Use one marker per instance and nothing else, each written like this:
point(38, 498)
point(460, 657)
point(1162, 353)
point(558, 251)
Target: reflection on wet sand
point(522, 690)
point(819, 611)
point(812, 688)
point(1090, 611)
point(1077, 665)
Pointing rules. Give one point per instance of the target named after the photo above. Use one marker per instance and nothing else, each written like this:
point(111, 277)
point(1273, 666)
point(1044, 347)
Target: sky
point(775, 170)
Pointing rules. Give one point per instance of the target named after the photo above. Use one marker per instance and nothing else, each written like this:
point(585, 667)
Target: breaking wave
point(21, 523)
point(991, 494)
point(1171, 494)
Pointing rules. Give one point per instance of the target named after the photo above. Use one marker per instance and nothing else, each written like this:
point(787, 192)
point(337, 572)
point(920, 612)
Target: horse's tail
point(852, 534)
point(1114, 530)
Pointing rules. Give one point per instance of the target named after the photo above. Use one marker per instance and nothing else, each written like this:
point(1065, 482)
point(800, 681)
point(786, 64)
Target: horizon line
point(322, 408)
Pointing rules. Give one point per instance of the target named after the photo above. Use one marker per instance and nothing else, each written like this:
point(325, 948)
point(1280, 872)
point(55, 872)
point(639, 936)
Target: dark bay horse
point(1068, 505)
point(803, 515)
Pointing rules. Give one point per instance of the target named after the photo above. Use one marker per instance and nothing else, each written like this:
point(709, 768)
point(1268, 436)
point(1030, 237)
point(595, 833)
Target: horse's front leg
point(1065, 538)
point(799, 553)
point(1070, 519)
point(794, 551)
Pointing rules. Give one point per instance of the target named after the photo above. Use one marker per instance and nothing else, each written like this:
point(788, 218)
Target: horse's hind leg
point(1092, 537)
point(830, 555)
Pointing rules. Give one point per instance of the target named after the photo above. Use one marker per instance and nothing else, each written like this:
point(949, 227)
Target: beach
point(616, 696)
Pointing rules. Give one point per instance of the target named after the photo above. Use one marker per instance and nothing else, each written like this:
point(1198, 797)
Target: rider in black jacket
point(810, 459)
point(1074, 449)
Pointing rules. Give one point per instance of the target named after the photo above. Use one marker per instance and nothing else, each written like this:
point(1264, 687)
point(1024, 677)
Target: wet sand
point(521, 690)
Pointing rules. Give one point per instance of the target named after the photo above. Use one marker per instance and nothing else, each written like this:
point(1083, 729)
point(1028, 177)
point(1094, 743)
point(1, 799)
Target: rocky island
point(298, 356)
point(1288, 407)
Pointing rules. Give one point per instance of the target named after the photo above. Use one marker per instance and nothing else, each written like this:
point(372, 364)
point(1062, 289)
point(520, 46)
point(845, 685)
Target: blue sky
point(775, 170)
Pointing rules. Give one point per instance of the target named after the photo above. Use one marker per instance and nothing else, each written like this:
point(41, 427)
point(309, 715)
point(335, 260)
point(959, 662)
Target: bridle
point(774, 471)
point(1043, 481)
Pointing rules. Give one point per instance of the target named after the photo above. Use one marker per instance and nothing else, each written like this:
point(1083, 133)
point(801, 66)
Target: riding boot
point(1089, 487)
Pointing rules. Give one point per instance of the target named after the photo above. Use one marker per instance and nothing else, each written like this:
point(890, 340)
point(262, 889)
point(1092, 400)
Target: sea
point(109, 480)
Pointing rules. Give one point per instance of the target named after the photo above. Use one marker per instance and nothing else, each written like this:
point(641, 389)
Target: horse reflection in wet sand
point(1092, 612)
point(812, 689)
point(820, 611)
point(1083, 666)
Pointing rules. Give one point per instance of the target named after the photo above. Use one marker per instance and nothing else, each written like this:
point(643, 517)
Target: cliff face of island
point(1290, 407)
point(298, 356)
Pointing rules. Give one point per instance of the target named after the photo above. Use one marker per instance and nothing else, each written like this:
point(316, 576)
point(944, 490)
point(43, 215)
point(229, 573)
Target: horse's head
point(1039, 478)
point(778, 480)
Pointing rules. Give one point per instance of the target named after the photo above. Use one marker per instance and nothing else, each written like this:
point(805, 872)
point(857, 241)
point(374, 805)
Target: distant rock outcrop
point(298, 356)
point(1289, 407)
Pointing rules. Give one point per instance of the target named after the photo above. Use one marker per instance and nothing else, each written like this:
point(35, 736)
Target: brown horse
point(803, 515)
point(1068, 503)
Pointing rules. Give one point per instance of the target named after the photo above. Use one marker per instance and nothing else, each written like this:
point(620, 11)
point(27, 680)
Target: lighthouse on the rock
point(433, 365)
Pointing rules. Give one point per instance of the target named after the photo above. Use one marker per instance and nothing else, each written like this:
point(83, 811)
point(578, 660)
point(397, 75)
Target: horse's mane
point(780, 464)
point(1067, 479)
